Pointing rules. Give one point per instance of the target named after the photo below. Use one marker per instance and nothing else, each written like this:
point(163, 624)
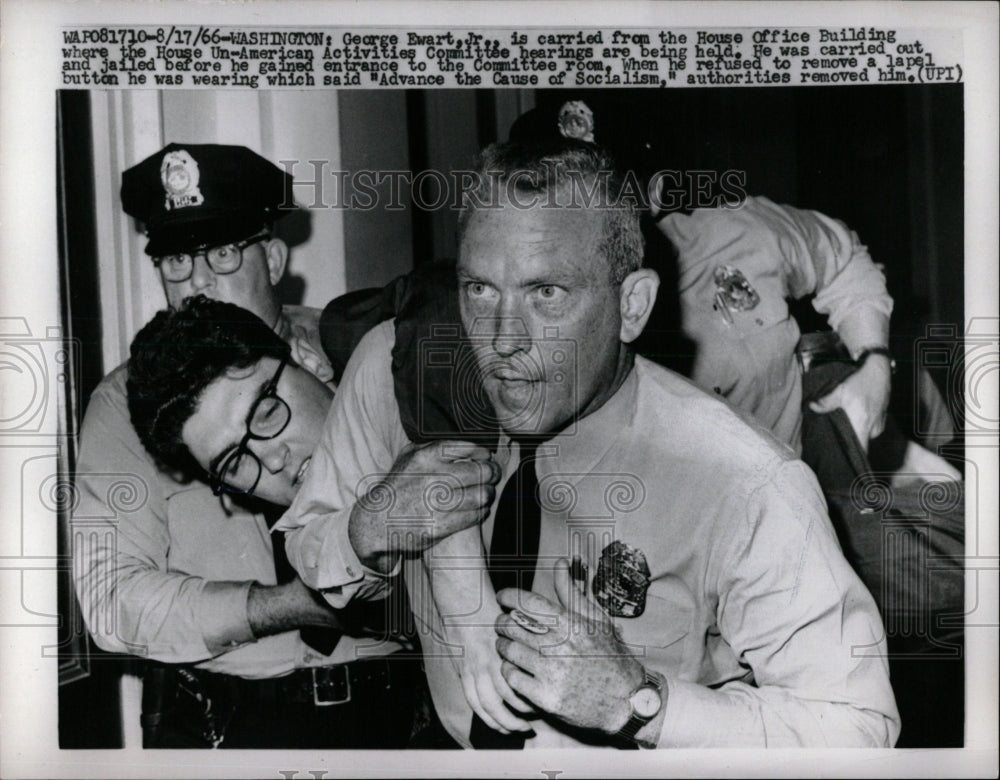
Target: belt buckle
point(339, 689)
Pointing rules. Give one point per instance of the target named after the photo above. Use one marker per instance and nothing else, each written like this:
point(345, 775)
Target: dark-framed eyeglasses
point(225, 259)
point(240, 470)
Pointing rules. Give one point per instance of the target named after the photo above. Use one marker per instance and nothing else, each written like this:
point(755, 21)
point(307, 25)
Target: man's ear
point(655, 193)
point(308, 357)
point(276, 252)
point(638, 294)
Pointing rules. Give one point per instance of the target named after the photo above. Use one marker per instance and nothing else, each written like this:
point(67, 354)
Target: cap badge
point(179, 174)
point(576, 120)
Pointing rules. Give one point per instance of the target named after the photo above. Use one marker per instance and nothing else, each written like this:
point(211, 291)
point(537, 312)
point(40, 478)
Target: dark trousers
point(907, 544)
point(906, 541)
point(371, 704)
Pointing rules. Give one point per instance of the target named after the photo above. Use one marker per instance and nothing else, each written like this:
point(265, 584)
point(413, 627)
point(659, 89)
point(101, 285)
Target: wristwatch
point(884, 351)
point(646, 702)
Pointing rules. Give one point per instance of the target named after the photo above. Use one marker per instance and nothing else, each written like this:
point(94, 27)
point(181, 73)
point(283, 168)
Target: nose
point(510, 332)
point(202, 274)
point(273, 454)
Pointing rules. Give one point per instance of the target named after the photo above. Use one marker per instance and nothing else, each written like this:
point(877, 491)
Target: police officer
point(239, 652)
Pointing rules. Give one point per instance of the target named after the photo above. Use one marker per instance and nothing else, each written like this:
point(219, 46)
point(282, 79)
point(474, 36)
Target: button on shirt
point(765, 634)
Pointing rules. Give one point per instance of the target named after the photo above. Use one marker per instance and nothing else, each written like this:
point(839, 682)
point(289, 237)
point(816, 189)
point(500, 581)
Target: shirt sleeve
point(360, 439)
point(800, 620)
point(130, 602)
point(823, 256)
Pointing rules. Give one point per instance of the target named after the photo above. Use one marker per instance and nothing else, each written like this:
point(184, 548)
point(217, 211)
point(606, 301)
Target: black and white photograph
point(606, 383)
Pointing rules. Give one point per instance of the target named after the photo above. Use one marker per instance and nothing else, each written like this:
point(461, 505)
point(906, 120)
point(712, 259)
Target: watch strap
point(637, 721)
point(869, 351)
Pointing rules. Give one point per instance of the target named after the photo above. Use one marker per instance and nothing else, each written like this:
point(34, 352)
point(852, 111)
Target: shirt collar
point(586, 442)
point(283, 327)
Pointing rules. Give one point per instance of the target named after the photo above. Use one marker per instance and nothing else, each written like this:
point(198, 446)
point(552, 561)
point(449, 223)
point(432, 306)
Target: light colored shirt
point(764, 633)
point(745, 351)
point(161, 571)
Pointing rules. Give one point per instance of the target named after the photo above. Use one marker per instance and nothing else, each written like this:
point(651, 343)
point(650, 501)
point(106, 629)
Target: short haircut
point(562, 174)
point(176, 356)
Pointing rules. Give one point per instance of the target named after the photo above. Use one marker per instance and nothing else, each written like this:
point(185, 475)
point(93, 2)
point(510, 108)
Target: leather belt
point(322, 686)
point(326, 686)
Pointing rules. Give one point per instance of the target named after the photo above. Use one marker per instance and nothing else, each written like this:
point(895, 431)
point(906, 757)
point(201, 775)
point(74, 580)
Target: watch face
point(646, 702)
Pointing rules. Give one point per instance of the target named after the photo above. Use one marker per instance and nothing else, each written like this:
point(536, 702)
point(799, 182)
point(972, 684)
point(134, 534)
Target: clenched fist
point(432, 491)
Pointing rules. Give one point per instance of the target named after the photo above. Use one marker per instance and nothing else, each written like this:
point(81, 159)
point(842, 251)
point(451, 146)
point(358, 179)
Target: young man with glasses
point(215, 395)
point(268, 417)
point(168, 571)
point(215, 401)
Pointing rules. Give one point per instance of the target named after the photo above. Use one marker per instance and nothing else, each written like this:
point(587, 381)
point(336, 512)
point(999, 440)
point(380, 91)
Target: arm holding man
point(365, 499)
point(362, 501)
point(171, 571)
point(206, 209)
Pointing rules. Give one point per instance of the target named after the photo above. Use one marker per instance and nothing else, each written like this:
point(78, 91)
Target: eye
point(223, 252)
point(475, 289)
point(231, 468)
point(550, 293)
point(267, 409)
point(174, 261)
point(268, 417)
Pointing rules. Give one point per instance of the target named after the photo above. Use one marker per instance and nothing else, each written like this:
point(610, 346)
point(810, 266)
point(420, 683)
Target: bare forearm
point(460, 580)
point(272, 609)
point(420, 474)
point(370, 539)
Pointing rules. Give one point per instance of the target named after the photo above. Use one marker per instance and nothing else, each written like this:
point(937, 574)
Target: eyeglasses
point(240, 470)
point(226, 259)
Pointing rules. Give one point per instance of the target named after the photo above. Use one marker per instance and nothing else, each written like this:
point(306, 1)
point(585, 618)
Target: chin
point(523, 422)
point(517, 412)
point(278, 498)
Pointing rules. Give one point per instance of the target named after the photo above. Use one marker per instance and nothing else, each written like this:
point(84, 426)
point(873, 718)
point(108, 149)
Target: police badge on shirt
point(622, 580)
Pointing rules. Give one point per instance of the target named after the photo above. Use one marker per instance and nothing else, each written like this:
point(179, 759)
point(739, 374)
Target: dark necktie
point(322, 640)
point(512, 560)
point(516, 526)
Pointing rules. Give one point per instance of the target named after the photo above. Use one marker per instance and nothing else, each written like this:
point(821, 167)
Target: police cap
point(190, 196)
